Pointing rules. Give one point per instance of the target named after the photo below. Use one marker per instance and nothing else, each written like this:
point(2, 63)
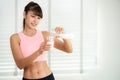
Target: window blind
point(89, 32)
point(7, 25)
point(6, 62)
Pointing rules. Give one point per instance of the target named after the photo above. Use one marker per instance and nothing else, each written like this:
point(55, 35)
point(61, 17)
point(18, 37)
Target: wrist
point(65, 39)
point(40, 52)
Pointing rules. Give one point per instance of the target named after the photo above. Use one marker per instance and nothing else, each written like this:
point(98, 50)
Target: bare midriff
point(37, 70)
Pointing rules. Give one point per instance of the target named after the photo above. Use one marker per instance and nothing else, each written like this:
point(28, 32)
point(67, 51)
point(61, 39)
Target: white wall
point(109, 39)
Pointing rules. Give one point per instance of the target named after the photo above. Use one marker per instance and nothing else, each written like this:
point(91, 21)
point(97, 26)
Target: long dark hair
point(32, 6)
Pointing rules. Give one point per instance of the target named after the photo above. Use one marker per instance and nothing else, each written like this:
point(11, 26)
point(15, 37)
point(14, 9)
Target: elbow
point(69, 51)
point(20, 67)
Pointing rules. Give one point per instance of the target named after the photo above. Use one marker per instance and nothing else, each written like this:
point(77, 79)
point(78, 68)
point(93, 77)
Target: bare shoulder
point(14, 37)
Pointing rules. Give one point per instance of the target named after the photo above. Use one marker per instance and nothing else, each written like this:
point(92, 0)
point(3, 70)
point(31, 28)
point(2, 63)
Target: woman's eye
point(38, 17)
point(32, 16)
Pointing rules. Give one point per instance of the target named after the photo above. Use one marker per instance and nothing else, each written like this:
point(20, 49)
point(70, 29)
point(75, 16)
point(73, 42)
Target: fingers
point(42, 47)
point(45, 47)
point(59, 29)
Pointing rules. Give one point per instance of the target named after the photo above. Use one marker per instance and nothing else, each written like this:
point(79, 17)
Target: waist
point(38, 69)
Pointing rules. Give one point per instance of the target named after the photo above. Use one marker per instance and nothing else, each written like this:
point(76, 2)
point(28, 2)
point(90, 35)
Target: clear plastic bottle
point(50, 40)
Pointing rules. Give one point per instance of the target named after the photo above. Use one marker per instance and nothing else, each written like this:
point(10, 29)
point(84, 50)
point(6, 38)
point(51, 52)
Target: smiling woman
point(29, 46)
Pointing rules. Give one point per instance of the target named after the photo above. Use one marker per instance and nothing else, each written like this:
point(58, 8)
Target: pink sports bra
point(29, 45)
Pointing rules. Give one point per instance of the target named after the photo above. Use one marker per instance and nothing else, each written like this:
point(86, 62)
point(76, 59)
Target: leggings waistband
point(49, 77)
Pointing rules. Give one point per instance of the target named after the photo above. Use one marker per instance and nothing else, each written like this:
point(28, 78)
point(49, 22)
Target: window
point(7, 27)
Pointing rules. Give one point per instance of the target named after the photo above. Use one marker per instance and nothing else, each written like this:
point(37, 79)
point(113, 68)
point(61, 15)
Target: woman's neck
point(29, 32)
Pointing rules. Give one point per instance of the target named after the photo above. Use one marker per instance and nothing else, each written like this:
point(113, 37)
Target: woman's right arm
point(20, 61)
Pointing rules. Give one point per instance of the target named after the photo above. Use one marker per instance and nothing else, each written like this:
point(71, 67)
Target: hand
point(44, 47)
point(59, 30)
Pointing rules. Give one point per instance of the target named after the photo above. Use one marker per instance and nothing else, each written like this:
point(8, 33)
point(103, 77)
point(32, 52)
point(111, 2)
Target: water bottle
point(50, 40)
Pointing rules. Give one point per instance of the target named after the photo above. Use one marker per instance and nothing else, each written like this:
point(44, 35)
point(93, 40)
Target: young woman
point(29, 47)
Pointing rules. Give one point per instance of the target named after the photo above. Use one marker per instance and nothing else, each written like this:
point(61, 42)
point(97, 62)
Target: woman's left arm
point(64, 45)
point(67, 45)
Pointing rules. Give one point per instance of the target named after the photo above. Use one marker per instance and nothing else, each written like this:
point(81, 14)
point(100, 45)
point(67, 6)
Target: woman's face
point(31, 20)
